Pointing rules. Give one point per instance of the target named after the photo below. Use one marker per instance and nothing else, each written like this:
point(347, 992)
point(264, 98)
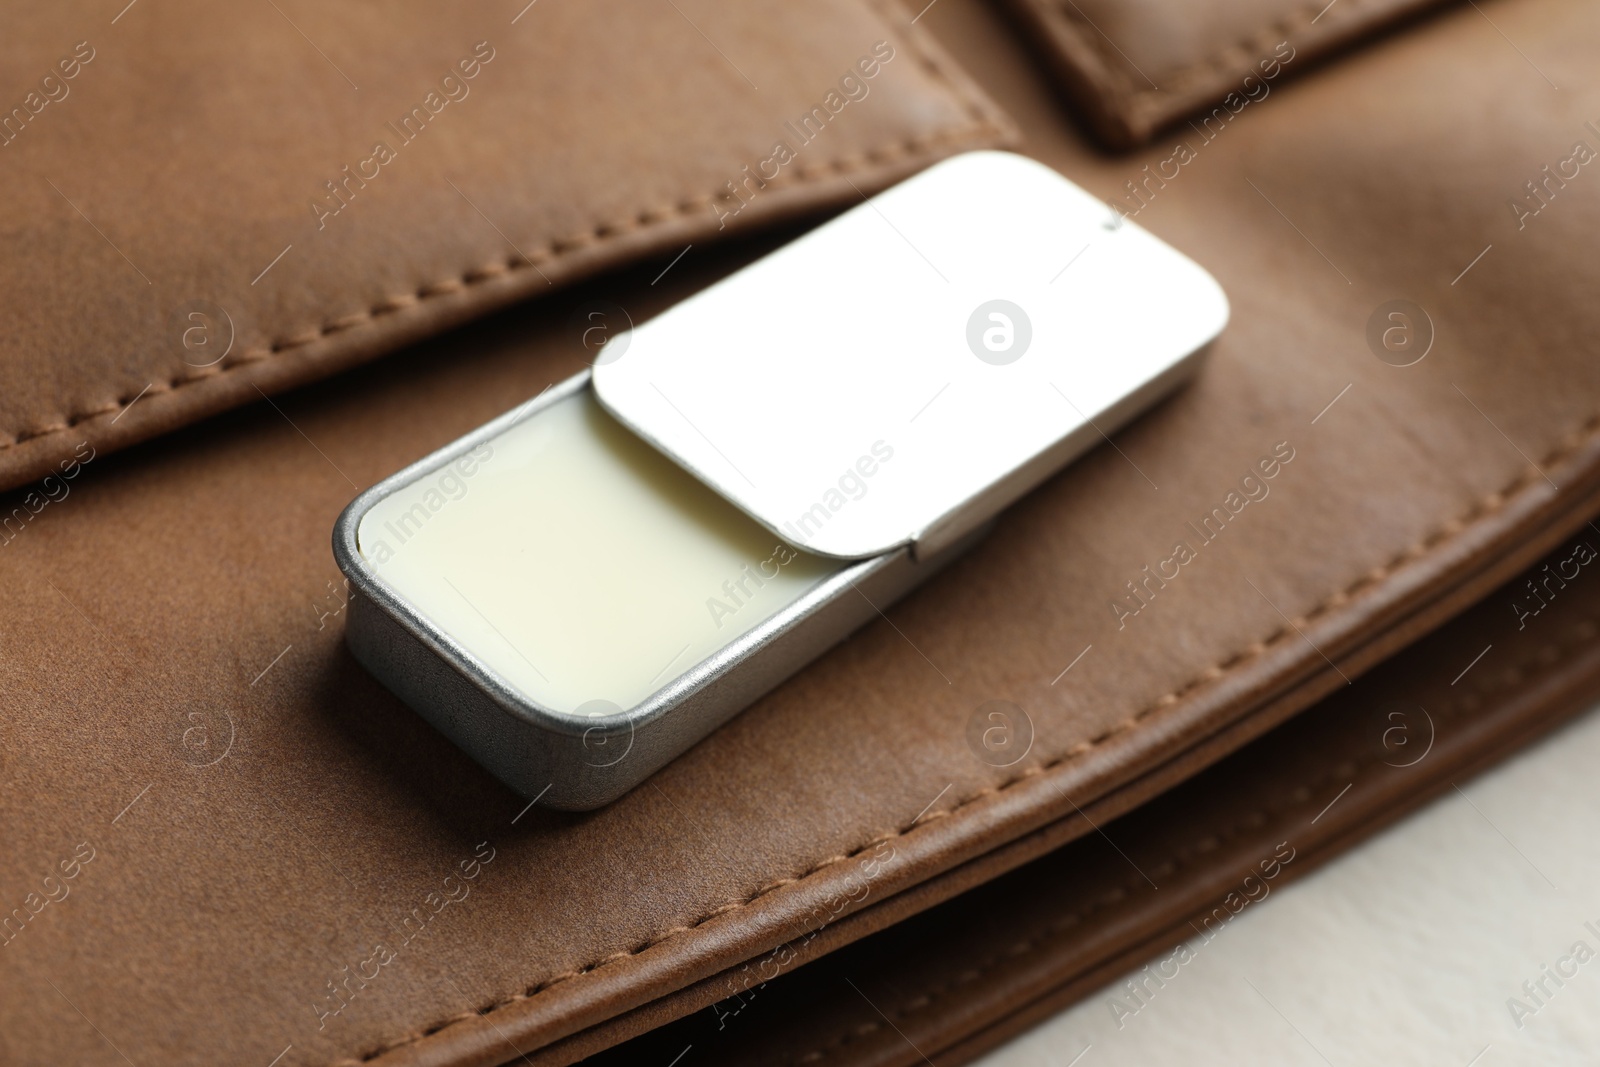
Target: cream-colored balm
point(578, 563)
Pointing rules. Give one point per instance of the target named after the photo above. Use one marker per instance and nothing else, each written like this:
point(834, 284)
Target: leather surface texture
point(220, 203)
point(1132, 68)
point(1151, 891)
point(287, 863)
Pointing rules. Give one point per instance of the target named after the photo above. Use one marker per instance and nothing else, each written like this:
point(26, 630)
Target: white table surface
point(1402, 951)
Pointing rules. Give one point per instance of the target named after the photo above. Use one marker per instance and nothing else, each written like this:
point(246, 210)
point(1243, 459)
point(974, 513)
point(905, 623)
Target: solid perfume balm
point(578, 563)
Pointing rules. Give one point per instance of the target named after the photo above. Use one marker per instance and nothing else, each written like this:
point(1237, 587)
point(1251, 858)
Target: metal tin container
point(935, 318)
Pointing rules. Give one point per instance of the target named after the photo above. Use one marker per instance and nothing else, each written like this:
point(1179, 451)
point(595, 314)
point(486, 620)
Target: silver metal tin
point(765, 385)
point(576, 762)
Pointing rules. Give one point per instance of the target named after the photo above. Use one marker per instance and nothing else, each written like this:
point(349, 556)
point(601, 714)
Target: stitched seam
point(1114, 898)
point(983, 121)
point(1545, 657)
point(1484, 508)
point(1216, 62)
point(923, 46)
point(498, 268)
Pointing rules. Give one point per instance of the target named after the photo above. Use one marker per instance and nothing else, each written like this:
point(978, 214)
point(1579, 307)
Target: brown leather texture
point(1133, 68)
point(206, 204)
point(964, 976)
point(288, 863)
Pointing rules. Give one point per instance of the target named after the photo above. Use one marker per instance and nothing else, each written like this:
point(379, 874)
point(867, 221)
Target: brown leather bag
point(269, 856)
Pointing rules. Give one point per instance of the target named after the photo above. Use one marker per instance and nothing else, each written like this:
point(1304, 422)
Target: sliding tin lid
point(905, 371)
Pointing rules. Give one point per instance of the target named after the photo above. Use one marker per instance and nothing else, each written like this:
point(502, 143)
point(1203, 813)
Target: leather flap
point(1132, 68)
point(205, 203)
